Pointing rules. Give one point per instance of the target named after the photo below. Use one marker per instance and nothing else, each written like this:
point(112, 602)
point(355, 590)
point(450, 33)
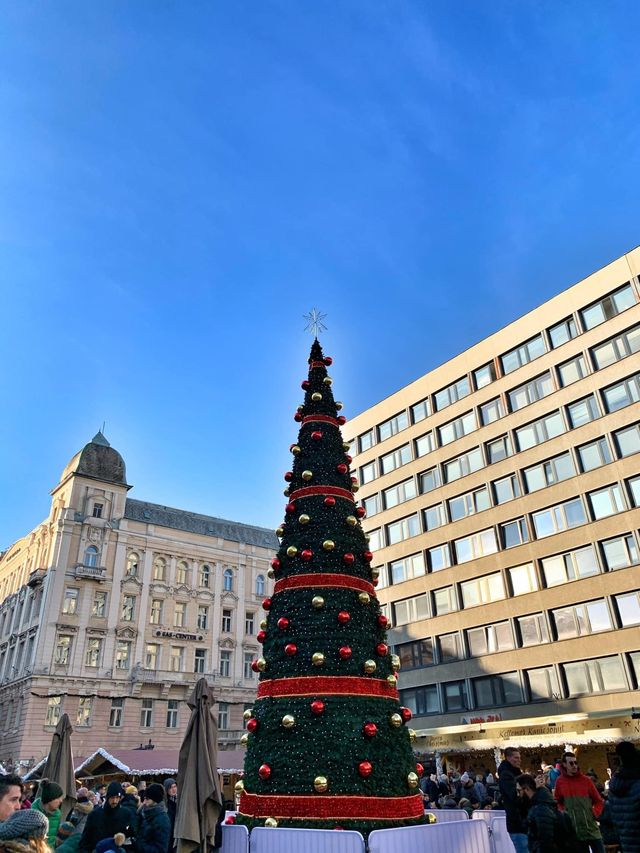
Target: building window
point(54, 706)
point(457, 428)
point(368, 473)
point(539, 431)
point(594, 676)
point(133, 563)
point(532, 391)
point(425, 444)
point(200, 661)
point(128, 613)
point(225, 664)
point(405, 528)
point(581, 619)
point(63, 650)
point(532, 630)
point(573, 565)
point(182, 572)
point(123, 654)
point(449, 648)
point(476, 545)
point(372, 505)
point(434, 516)
point(172, 714)
point(583, 412)
point(493, 690)
point(452, 393)
point(506, 489)
point(176, 659)
point(227, 580)
point(484, 376)
point(97, 510)
point(420, 411)
point(91, 556)
point(179, 614)
point(634, 491)
point(560, 517)
point(523, 354)
point(223, 715)
point(93, 651)
point(99, 604)
point(393, 426)
point(416, 655)
point(617, 348)
point(629, 609)
point(490, 639)
point(399, 494)
point(634, 662)
point(116, 713)
point(226, 621)
point(482, 590)
point(83, 717)
point(366, 440)
point(469, 503)
point(492, 411)
point(205, 576)
point(439, 557)
point(430, 480)
point(571, 371)
point(563, 332)
point(249, 620)
point(70, 601)
point(608, 307)
point(421, 700)
point(395, 459)
point(514, 533)
point(455, 696)
point(622, 394)
point(607, 501)
point(407, 568)
point(621, 552)
point(549, 473)
point(444, 601)
point(411, 609)
point(523, 579)
point(146, 714)
point(156, 611)
point(543, 684)
point(375, 539)
point(246, 668)
point(203, 617)
point(462, 465)
point(594, 455)
point(499, 449)
point(159, 569)
point(628, 440)
point(260, 585)
point(151, 656)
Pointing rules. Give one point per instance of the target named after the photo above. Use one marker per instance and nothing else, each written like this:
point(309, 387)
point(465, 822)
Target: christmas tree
point(327, 745)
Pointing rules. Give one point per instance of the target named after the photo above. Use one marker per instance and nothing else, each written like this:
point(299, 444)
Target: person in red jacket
point(576, 794)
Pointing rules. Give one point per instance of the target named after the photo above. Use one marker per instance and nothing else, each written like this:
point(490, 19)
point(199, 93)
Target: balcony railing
point(96, 573)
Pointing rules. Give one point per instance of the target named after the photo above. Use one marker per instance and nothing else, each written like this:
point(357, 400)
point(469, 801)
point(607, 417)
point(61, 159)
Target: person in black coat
point(624, 798)
point(153, 827)
point(105, 821)
point(547, 830)
point(515, 807)
point(171, 792)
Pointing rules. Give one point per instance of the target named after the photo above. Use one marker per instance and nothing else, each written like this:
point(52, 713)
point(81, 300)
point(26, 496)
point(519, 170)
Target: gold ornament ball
point(412, 735)
point(295, 449)
point(307, 475)
point(316, 396)
point(369, 666)
point(364, 597)
point(239, 787)
point(292, 551)
point(351, 520)
point(263, 624)
point(279, 532)
point(431, 818)
point(271, 573)
point(247, 714)
point(338, 405)
point(328, 544)
point(304, 518)
point(288, 721)
point(375, 572)
point(367, 538)
point(317, 659)
point(354, 487)
point(395, 662)
point(395, 720)
point(271, 822)
point(261, 664)
point(321, 783)
point(346, 446)
point(327, 380)
point(412, 780)
point(392, 680)
point(317, 601)
point(285, 492)
point(301, 408)
point(244, 740)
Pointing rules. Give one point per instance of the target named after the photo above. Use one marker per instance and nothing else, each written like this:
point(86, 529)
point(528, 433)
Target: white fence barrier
point(454, 837)
point(264, 840)
point(235, 838)
point(445, 815)
point(500, 840)
point(488, 814)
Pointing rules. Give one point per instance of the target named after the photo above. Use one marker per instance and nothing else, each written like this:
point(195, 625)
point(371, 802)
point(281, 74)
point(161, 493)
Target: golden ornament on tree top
point(307, 475)
point(304, 518)
point(316, 396)
point(292, 551)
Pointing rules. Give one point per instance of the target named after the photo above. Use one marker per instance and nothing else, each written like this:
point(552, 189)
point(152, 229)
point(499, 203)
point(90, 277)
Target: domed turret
point(99, 461)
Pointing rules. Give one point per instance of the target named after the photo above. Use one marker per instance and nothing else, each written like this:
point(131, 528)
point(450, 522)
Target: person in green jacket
point(48, 801)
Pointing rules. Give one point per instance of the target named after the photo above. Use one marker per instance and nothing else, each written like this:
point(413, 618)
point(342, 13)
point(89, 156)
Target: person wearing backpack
point(576, 795)
point(548, 831)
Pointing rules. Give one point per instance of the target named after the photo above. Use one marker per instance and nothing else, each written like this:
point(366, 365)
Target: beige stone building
point(112, 608)
point(502, 490)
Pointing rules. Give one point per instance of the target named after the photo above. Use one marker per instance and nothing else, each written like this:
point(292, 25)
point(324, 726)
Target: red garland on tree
point(327, 747)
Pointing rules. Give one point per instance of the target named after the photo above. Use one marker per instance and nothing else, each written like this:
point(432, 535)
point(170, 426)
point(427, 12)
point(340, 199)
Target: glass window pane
point(599, 617)
point(629, 609)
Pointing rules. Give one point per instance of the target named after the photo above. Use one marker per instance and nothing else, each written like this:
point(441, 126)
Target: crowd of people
point(555, 808)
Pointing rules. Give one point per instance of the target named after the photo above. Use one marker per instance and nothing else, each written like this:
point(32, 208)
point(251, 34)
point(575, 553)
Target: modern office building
point(112, 608)
point(502, 492)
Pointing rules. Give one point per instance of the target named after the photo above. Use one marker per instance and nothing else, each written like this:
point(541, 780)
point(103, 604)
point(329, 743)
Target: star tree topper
point(314, 322)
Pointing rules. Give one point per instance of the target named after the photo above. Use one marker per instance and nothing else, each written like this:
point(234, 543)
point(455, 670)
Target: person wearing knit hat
point(107, 820)
point(171, 790)
point(48, 801)
point(24, 832)
point(153, 833)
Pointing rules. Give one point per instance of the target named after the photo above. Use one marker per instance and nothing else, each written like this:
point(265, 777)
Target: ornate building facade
point(112, 608)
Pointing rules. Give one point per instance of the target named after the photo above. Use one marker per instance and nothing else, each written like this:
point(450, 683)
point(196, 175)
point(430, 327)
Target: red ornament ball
point(361, 512)
point(307, 554)
point(316, 435)
point(305, 384)
point(419, 769)
point(342, 420)
point(230, 820)
point(254, 666)
point(317, 707)
point(264, 771)
point(348, 458)
point(297, 417)
point(343, 617)
point(342, 468)
point(382, 649)
point(283, 623)
point(291, 649)
point(382, 620)
point(275, 564)
point(368, 556)
point(329, 501)
point(266, 604)
point(345, 652)
point(261, 636)
point(349, 559)
point(328, 360)
point(370, 729)
point(288, 476)
point(365, 768)
point(253, 725)
point(289, 508)
point(406, 714)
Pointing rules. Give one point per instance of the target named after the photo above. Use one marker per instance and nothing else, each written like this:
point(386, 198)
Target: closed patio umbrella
point(200, 801)
point(59, 765)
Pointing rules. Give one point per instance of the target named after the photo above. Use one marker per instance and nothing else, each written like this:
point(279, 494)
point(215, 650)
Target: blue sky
point(181, 181)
